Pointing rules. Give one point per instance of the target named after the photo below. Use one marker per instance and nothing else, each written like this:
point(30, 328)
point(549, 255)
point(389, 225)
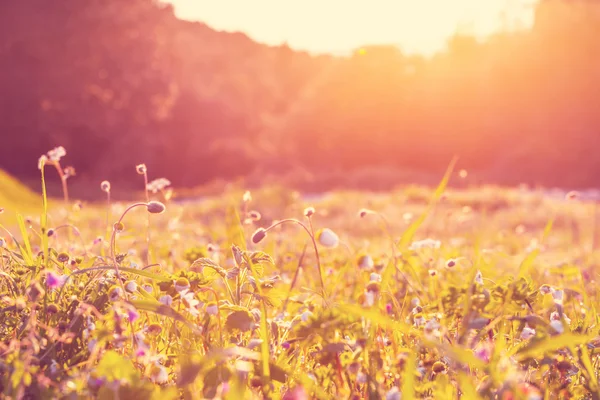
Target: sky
point(341, 26)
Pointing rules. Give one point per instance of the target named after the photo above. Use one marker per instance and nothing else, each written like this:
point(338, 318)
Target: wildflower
point(148, 288)
point(393, 394)
point(52, 308)
point(158, 373)
point(327, 238)
point(558, 296)
point(155, 207)
point(62, 257)
point(286, 345)
point(363, 212)
point(182, 284)
point(438, 367)
point(572, 195)
point(366, 262)
point(419, 320)
point(212, 309)
point(361, 378)
point(425, 244)
point(141, 169)
point(154, 329)
point(69, 172)
point(158, 185)
point(115, 293)
point(190, 302)
point(105, 186)
point(478, 278)
point(167, 300)
point(388, 308)
point(42, 161)
point(450, 263)
point(483, 351)
point(463, 173)
point(132, 314)
point(545, 289)
point(527, 333)
point(55, 280)
point(57, 153)
point(557, 323)
point(297, 393)
point(432, 272)
point(369, 298)
point(375, 277)
point(306, 316)
point(309, 212)
point(254, 216)
point(259, 235)
point(432, 329)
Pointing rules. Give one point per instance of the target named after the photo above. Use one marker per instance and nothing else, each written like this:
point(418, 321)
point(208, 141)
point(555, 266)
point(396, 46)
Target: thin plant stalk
point(314, 242)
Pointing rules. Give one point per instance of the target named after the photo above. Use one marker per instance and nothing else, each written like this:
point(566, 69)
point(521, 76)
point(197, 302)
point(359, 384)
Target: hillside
point(121, 83)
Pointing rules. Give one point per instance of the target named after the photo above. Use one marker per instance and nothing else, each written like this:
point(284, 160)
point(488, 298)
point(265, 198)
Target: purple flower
point(54, 280)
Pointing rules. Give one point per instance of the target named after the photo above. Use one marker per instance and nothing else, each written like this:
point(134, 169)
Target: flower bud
point(155, 207)
point(309, 212)
point(259, 235)
point(105, 186)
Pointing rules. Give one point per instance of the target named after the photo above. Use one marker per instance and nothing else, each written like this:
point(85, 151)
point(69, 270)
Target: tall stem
point(314, 242)
point(113, 242)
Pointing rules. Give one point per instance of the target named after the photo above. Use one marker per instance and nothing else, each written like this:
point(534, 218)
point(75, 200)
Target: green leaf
point(164, 310)
point(408, 377)
point(376, 317)
point(467, 388)
point(408, 235)
point(552, 343)
point(528, 261)
point(115, 367)
point(28, 255)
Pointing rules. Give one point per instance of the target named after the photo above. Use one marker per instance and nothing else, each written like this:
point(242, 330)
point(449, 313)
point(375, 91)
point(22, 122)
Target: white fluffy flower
point(393, 394)
point(328, 238)
point(425, 244)
point(527, 333)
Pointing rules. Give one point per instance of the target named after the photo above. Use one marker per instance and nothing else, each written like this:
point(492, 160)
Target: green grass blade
point(27, 253)
point(164, 310)
point(409, 234)
point(552, 343)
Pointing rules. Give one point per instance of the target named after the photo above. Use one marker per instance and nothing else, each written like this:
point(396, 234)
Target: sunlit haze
point(339, 26)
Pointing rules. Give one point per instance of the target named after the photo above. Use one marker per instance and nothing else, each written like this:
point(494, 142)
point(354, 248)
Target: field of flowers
point(447, 293)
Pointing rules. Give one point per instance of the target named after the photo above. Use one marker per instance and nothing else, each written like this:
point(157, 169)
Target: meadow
point(442, 293)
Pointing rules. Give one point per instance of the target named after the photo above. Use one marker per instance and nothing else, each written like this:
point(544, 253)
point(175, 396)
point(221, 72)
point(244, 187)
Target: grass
point(484, 298)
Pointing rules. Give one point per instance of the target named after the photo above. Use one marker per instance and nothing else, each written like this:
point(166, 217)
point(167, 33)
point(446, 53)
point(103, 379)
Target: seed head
point(141, 169)
point(63, 257)
point(309, 212)
point(572, 195)
point(259, 235)
point(363, 212)
point(52, 308)
point(155, 207)
point(328, 238)
point(451, 263)
point(50, 232)
point(42, 161)
point(254, 215)
point(105, 186)
point(119, 226)
point(438, 367)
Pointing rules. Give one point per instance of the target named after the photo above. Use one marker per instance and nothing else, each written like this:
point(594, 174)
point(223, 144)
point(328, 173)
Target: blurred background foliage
point(118, 83)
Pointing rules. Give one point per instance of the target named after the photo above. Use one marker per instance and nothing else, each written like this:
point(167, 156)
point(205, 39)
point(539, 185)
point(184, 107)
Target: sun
point(338, 26)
